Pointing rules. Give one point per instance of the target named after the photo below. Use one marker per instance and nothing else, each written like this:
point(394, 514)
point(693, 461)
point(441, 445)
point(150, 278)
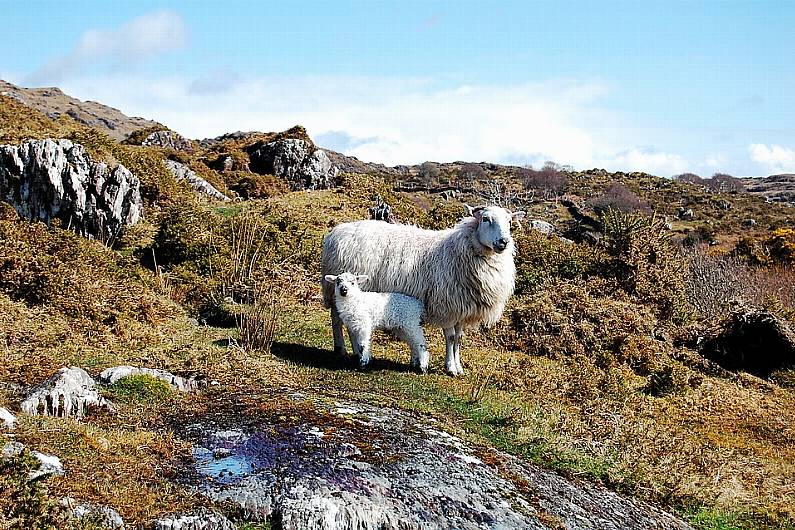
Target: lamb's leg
point(449, 358)
point(419, 349)
point(336, 328)
point(364, 339)
point(459, 334)
point(356, 346)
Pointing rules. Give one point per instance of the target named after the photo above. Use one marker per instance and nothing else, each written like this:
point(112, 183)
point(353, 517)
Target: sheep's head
point(345, 282)
point(494, 226)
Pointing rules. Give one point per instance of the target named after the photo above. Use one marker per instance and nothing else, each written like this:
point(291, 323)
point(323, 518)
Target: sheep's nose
point(502, 243)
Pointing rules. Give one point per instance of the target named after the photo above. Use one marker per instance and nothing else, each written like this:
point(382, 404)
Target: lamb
point(463, 275)
point(362, 312)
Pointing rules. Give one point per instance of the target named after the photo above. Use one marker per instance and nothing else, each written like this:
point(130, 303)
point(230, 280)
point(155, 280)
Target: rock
point(183, 384)
point(7, 420)
point(183, 172)
point(201, 519)
point(49, 179)
point(752, 340)
point(542, 226)
point(348, 466)
point(70, 392)
point(685, 214)
point(168, 140)
point(748, 223)
point(381, 211)
point(297, 161)
point(95, 515)
point(48, 464)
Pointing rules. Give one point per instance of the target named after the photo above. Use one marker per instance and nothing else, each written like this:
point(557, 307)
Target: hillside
point(641, 376)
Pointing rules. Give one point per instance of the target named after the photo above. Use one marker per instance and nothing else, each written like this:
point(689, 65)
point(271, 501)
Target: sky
point(663, 87)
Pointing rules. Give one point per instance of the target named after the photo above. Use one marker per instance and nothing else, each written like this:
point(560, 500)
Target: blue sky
point(664, 87)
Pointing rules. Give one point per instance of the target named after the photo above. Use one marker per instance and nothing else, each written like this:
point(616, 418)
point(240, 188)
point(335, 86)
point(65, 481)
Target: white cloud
point(396, 121)
point(137, 40)
point(774, 159)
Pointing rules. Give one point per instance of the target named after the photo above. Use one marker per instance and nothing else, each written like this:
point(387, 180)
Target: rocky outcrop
point(71, 392)
point(331, 465)
point(541, 226)
point(93, 515)
point(183, 172)
point(381, 211)
point(8, 421)
point(183, 384)
point(168, 140)
point(297, 161)
point(56, 179)
point(48, 464)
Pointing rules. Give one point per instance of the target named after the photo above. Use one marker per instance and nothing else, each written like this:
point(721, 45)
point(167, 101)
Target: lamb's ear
point(518, 216)
point(330, 278)
point(362, 278)
point(468, 210)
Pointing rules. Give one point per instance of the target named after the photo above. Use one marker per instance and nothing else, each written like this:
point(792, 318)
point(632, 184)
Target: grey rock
point(748, 223)
point(355, 466)
point(201, 519)
point(297, 161)
point(685, 214)
point(48, 464)
point(71, 392)
point(97, 515)
point(183, 384)
point(7, 420)
point(542, 226)
point(168, 140)
point(183, 172)
point(381, 211)
point(49, 179)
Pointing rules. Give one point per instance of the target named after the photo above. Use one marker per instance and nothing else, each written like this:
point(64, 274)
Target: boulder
point(297, 161)
point(93, 515)
point(183, 384)
point(685, 214)
point(542, 226)
point(183, 172)
point(7, 420)
point(56, 179)
point(48, 464)
point(201, 519)
point(381, 211)
point(70, 392)
point(349, 465)
point(168, 140)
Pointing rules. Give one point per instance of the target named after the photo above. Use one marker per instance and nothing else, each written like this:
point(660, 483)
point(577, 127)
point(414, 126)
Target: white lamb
point(362, 312)
point(464, 275)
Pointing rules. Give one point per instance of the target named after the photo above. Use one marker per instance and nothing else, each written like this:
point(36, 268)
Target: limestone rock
point(381, 211)
point(297, 161)
point(168, 140)
point(48, 464)
point(348, 466)
point(201, 519)
point(685, 214)
point(70, 392)
point(183, 384)
point(542, 226)
point(49, 179)
point(7, 420)
point(96, 515)
point(183, 172)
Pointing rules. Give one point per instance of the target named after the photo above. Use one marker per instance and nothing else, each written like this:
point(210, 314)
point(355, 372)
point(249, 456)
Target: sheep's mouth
point(343, 291)
point(499, 247)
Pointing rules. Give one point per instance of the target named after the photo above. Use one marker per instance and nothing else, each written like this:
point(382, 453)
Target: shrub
point(723, 183)
point(469, 174)
point(27, 503)
point(690, 178)
point(550, 180)
point(428, 173)
point(619, 197)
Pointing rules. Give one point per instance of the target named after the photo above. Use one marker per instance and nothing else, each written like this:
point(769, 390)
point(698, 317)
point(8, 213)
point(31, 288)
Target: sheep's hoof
point(341, 352)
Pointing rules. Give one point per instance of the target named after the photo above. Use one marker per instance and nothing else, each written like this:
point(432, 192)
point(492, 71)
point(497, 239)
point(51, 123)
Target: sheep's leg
point(339, 338)
point(459, 334)
point(364, 340)
point(449, 358)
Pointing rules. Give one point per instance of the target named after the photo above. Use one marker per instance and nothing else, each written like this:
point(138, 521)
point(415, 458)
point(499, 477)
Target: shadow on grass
point(328, 360)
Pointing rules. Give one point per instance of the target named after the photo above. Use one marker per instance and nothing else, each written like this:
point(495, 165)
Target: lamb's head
point(494, 226)
point(346, 283)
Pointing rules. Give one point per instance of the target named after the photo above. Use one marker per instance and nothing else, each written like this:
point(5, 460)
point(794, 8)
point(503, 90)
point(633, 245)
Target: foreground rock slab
point(201, 519)
point(95, 515)
point(48, 464)
point(183, 384)
point(70, 392)
point(345, 466)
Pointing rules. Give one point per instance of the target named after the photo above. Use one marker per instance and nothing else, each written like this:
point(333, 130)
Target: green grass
point(141, 388)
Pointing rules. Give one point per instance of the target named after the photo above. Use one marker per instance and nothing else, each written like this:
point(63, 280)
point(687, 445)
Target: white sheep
point(463, 275)
point(362, 312)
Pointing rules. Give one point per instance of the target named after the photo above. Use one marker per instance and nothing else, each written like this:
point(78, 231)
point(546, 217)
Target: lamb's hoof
point(363, 366)
point(417, 369)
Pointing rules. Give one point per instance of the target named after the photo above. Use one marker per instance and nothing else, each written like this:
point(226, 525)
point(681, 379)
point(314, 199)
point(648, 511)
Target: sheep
point(463, 275)
point(362, 312)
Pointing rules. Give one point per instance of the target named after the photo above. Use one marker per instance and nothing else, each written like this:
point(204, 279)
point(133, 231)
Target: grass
point(140, 388)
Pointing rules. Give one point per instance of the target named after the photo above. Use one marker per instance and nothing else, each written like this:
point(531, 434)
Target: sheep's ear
point(477, 213)
point(518, 216)
point(330, 278)
point(362, 278)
